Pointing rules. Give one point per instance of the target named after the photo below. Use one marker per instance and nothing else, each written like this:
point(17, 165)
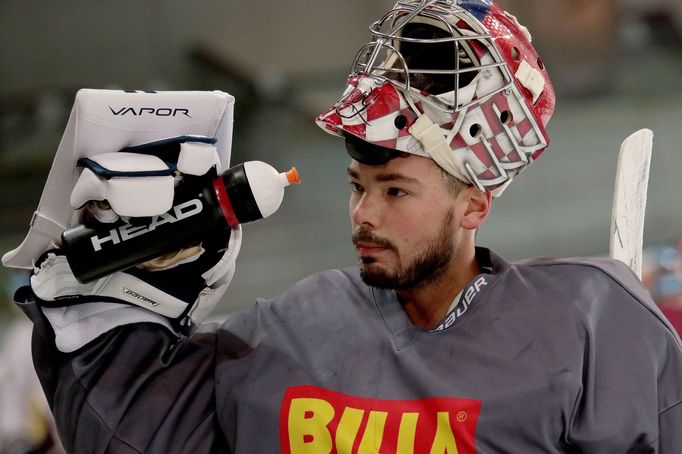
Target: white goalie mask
point(456, 81)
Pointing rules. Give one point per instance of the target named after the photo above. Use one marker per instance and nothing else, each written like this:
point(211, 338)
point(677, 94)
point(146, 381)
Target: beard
point(425, 267)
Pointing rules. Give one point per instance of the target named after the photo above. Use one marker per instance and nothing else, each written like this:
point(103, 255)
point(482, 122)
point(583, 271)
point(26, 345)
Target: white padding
point(197, 158)
point(522, 28)
point(434, 144)
point(531, 79)
point(128, 196)
point(106, 121)
point(54, 279)
point(88, 187)
point(78, 324)
point(75, 326)
point(129, 162)
point(223, 271)
point(146, 196)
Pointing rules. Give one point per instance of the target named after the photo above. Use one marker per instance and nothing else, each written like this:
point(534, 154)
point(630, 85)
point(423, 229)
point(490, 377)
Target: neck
point(427, 304)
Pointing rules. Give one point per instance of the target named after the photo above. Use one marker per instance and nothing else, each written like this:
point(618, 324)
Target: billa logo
point(319, 421)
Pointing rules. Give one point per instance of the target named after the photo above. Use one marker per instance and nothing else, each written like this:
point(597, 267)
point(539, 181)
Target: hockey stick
point(629, 199)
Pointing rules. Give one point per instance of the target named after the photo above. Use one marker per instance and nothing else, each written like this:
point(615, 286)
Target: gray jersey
point(542, 356)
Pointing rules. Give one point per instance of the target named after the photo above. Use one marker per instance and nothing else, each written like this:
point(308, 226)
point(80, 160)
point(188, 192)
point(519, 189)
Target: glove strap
point(54, 283)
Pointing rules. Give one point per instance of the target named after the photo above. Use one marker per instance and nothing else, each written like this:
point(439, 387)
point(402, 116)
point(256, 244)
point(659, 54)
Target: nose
point(365, 210)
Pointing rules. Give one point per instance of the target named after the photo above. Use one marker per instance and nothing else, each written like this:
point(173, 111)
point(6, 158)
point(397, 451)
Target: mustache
point(367, 236)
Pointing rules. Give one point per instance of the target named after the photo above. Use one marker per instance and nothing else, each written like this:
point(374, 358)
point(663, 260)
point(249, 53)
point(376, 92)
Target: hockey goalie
point(431, 344)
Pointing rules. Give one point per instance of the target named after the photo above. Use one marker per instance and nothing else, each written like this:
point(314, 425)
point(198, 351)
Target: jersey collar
point(402, 330)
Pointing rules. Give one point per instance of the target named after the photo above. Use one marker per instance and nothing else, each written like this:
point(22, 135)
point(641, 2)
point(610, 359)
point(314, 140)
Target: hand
point(177, 290)
point(184, 287)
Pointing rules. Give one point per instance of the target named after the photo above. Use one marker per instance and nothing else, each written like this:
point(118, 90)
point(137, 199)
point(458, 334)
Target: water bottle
point(203, 207)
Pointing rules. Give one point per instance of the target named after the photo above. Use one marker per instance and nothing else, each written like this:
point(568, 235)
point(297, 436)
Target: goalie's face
point(405, 221)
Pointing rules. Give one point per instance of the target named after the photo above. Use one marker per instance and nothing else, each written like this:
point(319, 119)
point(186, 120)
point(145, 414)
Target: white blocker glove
point(177, 290)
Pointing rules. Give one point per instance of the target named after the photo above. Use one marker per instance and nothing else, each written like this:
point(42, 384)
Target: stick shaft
point(629, 199)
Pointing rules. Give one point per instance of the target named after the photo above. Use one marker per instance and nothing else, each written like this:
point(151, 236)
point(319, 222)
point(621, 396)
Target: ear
point(475, 206)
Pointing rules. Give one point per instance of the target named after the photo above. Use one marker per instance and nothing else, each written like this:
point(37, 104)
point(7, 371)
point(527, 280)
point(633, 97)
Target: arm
point(111, 354)
point(669, 423)
point(120, 376)
point(631, 395)
point(135, 389)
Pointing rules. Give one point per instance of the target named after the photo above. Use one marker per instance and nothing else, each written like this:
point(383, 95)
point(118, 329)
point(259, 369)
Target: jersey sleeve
point(631, 394)
point(670, 423)
point(134, 389)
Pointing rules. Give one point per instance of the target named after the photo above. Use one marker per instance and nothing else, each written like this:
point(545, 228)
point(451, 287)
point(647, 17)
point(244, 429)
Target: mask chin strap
point(434, 144)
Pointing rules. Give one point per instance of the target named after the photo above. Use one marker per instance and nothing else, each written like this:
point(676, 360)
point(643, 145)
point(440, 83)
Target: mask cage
point(382, 57)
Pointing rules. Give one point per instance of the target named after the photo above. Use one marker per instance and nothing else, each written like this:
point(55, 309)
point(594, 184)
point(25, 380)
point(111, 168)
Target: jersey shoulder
point(332, 296)
point(329, 292)
point(328, 282)
point(595, 267)
point(612, 284)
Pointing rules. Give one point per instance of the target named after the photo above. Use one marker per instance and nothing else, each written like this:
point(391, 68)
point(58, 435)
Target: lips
point(366, 247)
point(369, 248)
point(366, 243)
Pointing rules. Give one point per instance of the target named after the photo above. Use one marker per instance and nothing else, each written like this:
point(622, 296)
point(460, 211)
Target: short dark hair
point(453, 184)
point(370, 154)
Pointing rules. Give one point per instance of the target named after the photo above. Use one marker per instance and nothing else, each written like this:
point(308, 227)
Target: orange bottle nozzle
point(292, 176)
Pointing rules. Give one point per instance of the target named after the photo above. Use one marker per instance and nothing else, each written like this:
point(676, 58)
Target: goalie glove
point(177, 292)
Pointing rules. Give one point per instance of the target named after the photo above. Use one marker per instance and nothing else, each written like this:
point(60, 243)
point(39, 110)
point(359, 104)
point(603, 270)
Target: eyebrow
point(384, 177)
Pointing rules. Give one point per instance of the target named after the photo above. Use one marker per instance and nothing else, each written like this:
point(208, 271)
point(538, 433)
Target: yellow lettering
point(406, 433)
point(374, 433)
point(348, 429)
point(444, 441)
point(308, 419)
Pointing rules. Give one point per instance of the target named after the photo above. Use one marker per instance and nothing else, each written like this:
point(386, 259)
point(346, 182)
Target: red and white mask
point(457, 81)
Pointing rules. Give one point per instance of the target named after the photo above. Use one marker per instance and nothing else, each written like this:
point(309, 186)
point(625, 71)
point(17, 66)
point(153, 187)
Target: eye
point(396, 192)
point(355, 187)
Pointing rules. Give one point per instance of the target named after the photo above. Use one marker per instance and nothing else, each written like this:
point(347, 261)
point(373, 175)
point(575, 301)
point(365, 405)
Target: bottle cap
point(292, 176)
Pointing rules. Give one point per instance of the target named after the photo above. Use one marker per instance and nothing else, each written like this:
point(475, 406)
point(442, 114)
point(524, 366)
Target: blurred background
point(616, 66)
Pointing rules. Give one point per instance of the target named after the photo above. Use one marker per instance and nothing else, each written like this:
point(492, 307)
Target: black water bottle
point(203, 207)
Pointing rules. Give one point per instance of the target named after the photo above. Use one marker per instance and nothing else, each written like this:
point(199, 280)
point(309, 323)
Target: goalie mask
point(454, 80)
